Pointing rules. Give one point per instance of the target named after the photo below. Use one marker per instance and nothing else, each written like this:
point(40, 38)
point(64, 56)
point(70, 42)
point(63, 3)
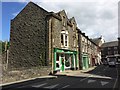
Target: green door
point(87, 60)
point(84, 62)
point(62, 63)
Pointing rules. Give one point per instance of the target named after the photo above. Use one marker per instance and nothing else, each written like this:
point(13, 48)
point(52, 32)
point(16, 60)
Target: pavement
point(74, 72)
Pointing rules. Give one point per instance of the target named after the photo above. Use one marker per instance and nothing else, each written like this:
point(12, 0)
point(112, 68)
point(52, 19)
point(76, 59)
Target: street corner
point(60, 74)
point(68, 73)
point(87, 70)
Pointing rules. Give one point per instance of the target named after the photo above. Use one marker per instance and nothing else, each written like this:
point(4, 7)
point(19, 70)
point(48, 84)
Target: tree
point(4, 45)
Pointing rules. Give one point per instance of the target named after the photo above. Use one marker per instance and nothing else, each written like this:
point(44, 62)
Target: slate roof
point(110, 44)
point(96, 40)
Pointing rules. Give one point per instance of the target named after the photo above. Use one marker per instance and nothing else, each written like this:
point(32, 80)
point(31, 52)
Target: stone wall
point(28, 38)
point(7, 76)
point(17, 75)
point(57, 27)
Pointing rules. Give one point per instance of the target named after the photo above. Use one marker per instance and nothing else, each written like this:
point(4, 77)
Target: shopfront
point(65, 60)
point(85, 61)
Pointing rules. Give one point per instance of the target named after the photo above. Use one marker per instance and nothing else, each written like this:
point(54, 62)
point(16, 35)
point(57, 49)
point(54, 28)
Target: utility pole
point(118, 62)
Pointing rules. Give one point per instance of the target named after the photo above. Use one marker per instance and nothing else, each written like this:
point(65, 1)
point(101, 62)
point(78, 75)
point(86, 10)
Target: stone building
point(109, 50)
point(42, 38)
point(98, 41)
point(84, 51)
point(28, 38)
point(63, 50)
point(88, 51)
point(119, 49)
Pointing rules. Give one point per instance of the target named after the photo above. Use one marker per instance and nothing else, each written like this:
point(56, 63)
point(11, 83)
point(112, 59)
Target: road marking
point(115, 80)
point(104, 83)
point(52, 86)
point(104, 77)
point(90, 81)
point(66, 86)
point(85, 78)
point(40, 85)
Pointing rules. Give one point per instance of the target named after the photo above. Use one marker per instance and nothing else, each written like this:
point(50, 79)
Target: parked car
point(105, 63)
point(112, 62)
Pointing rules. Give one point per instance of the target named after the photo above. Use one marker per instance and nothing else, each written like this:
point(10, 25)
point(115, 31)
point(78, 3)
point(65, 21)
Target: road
point(100, 77)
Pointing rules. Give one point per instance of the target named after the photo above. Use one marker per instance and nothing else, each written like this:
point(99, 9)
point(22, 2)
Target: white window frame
point(65, 33)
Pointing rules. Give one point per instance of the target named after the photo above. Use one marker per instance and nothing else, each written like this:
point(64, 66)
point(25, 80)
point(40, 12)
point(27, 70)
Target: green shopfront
point(65, 60)
point(85, 61)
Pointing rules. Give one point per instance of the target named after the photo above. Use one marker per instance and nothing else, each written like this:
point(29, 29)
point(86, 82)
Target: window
point(67, 60)
point(115, 52)
point(57, 61)
point(115, 47)
point(74, 43)
point(109, 53)
point(64, 38)
point(109, 48)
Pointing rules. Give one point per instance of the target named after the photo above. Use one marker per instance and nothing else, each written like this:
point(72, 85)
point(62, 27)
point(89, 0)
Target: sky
point(94, 18)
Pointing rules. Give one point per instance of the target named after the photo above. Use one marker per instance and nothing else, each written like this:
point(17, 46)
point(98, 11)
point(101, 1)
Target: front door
point(62, 62)
point(84, 62)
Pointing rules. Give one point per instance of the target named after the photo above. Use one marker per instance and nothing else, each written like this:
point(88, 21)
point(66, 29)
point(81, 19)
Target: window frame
point(65, 40)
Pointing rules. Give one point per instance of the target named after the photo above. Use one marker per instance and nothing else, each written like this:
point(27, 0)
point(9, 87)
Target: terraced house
point(89, 51)
point(63, 42)
point(42, 38)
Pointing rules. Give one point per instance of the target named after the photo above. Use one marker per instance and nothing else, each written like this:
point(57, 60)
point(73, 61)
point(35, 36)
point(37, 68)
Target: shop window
point(67, 60)
point(57, 59)
point(57, 65)
point(62, 55)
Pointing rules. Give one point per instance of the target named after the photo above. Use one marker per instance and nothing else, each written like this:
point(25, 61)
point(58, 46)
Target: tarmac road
point(101, 77)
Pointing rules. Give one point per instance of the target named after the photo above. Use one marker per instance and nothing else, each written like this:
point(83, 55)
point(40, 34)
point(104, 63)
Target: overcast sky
point(93, 17)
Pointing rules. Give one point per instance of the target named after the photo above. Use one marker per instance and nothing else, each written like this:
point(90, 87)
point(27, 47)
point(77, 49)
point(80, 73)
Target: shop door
point(87, 62)
point(84, 62)
point(62, 62)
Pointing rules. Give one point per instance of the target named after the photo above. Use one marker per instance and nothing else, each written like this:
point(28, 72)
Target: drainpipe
point(79, 49)
point(52, 54)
